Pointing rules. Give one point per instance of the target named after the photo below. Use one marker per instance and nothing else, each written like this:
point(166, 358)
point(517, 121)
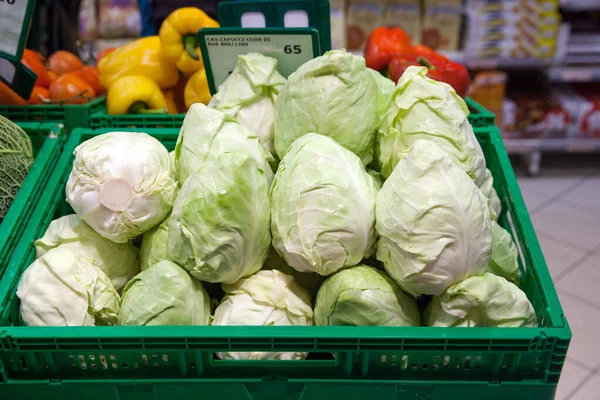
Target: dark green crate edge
point(480, 117)
point(31, 190)
point(72, 115)
point(105, 120)
point(191, 347)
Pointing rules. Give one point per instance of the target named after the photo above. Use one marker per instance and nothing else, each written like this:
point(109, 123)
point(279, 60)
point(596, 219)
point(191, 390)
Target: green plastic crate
point(47, 140)
point(104, 120)
point(130, 363)
point(72, 115)
point(480, 117)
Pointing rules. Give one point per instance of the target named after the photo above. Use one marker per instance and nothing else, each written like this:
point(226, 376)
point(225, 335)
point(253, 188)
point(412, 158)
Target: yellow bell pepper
point(170, 100)
point(178, 36)
point(141, 57)
point(196, 89)
point(135, 94)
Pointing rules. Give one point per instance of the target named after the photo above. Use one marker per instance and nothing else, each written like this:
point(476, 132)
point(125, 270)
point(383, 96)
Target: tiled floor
point(564, 203)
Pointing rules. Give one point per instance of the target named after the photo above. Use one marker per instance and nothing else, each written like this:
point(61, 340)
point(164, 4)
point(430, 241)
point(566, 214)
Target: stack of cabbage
point(318, 225)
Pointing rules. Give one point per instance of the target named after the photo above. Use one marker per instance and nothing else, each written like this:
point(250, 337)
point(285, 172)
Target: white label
point(290, 50)
point(12, 16)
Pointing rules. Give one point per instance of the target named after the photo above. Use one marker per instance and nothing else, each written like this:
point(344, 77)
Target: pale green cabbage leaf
point(503, 261)
point(61, 289)
point(267, 298)
point(333, 95)
point(422, 108)
point(219, 228)
point(364, 296)
point(434, 223)
point(488, 191)
point(119, 261)
point(481, 301)
point(322, 207)
point(154, 246)
point(249, 94)
point(207, 133)
point(164, 294)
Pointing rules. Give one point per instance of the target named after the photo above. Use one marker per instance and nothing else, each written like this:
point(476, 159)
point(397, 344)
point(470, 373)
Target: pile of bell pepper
point(159, 74)
point(61, 79)
point(389, 51)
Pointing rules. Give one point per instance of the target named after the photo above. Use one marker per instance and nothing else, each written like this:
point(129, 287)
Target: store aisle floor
point(564, 204)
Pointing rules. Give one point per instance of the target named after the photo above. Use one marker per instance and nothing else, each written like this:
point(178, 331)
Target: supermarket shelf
point(574, 73)
point(580, 5)
point(493, 63)
point(573, 145)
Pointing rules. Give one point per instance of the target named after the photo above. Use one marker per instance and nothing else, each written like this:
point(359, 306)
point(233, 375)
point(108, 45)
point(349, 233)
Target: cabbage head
point(488, 191)
point(249, 93)
point(364, 296)
point(434, 223)
point(503, 261)
point(61, 289)
point(422, 108)
point(322, 207)
point(164, 294)
point(154, 245)
point(121, 184)
point(16, 157)
point(267, 298)
point(207, 133)
point(385, 89)
point(119, 261)
point(219, 228)
point(334, 95)
point(484, 301)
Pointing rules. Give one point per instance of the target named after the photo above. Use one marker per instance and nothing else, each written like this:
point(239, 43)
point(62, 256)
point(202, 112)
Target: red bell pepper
point(383, 44)
point(440, 68)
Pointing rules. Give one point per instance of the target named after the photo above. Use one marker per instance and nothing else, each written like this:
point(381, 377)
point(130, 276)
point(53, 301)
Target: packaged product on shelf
point(119, 18)
point(488, 88)
point(338, 24)
point(363, 17)
point(442, 24)
point(509, 115)
point(589, 121)
point(87, 20)
point(539, 113)
point(405, 14)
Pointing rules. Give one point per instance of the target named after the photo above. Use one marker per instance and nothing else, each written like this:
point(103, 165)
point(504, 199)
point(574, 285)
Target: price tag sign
point(220, 47)
point(15, 18)
point(16, 76)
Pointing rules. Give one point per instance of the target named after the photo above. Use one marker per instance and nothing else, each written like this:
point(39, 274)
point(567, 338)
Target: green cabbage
point(154, 245)
point(385, 88)
point(422, 108)
point(322, 207)
point(434, 223)
point(488, 191)
point(219, 228)
point(249, 95)
point(485, 301)
point(267, 298)
point(164, 294)
point(207, 133)
point(334, 95)
point(121, 184)
point(503, 261)
point(364, 296)
point(16, 156)
point(119, 261)
point(61, 289)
